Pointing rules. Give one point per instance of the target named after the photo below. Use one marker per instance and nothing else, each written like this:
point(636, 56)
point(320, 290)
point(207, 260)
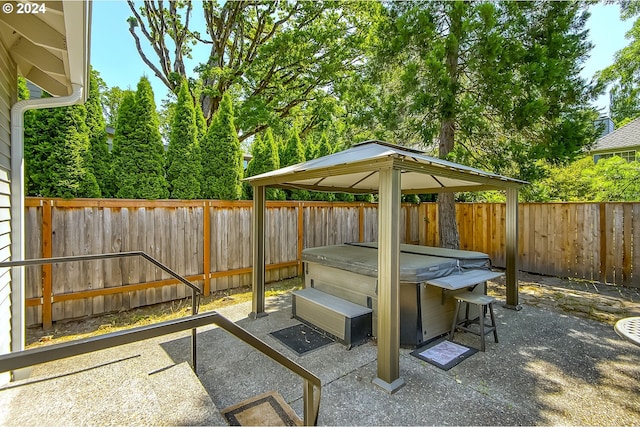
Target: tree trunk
point(447, 226)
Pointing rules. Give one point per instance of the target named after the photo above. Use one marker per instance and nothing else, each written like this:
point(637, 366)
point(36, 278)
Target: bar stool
point(481, 301)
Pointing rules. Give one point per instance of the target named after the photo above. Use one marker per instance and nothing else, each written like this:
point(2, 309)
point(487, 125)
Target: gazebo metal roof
point(389, 170)
point(356, 170)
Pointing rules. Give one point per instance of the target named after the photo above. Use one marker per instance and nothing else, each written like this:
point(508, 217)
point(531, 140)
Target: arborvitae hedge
point(100, 157)
point(222, 169)
point(139, 158)
point(58, 156)
point(183, 157)
point(265, 159)
point(294, 153)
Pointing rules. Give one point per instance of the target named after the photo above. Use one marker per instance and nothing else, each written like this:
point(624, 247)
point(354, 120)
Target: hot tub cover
point(466, 259)
point(414, 268)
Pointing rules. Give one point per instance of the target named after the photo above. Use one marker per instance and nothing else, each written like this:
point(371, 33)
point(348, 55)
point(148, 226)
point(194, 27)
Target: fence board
point(33, 274)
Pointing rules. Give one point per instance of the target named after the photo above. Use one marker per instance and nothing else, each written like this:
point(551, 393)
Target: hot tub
point(350, 272)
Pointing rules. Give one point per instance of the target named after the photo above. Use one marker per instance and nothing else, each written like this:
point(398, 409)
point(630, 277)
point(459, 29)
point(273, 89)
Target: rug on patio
point(443, 353)
point(302, 338)
point(268, 409)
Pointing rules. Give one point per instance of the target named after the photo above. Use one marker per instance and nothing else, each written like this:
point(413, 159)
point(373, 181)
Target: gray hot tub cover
point(466, 259)
point(414, 268)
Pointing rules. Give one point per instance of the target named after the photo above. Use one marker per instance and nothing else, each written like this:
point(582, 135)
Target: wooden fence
point(209, 242)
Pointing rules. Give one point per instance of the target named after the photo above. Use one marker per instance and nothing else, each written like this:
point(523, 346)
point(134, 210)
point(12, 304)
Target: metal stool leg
point(455, 320)
point(481, 323)
point(493, 322)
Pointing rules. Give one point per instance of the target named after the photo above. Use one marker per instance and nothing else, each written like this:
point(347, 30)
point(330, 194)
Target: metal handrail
point(195, 291)
point(22, 359)
point(312, 384)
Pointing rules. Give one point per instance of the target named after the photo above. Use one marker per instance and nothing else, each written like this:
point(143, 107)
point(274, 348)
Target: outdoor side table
point(629, 329)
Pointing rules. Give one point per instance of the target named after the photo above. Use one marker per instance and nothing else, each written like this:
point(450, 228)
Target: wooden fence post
point(206, 249)
point(407, 224)
point(627, 248)
point(47, 236)
point(603, 242)
point(361, 223)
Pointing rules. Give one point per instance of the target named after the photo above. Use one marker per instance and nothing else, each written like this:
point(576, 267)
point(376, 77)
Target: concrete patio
point(549, 368)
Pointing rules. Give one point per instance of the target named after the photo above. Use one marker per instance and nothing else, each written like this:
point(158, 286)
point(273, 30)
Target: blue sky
point(114, 55)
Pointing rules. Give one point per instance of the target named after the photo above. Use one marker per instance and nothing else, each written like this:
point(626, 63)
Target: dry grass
point(93, 326)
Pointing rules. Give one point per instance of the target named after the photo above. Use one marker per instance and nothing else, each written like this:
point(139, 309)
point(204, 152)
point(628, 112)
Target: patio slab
point(549, 368)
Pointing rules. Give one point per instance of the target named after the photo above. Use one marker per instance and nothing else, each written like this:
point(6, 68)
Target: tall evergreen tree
point(310, 149)
point(183, 161)
point(57, 154)
point(122, 146)
point(138, 150)
point(496, 84)
point(324, 149)
point(265, 159)
point(201, 124)
point(624, 73)
point(100, 157)
point(222, 168)
point(294, 153)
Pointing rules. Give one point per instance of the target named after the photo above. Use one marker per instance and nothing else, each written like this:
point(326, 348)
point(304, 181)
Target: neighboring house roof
point(51, 47)
point(626, 137)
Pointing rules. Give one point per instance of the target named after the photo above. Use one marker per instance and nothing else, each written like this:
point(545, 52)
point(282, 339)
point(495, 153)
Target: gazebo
point(389, 170)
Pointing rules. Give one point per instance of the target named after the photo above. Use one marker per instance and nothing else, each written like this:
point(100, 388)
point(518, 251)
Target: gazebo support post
point(389, 281)
point(512, 301)
point(257, 228)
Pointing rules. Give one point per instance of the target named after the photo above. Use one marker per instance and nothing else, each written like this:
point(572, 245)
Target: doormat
point(302, 338)
point(443, 354)
point(268, 409)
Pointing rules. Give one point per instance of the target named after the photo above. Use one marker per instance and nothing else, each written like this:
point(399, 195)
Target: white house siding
point(8, 95)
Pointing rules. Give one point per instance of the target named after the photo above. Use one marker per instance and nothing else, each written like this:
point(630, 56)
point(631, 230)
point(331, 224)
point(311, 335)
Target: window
point(629, 156)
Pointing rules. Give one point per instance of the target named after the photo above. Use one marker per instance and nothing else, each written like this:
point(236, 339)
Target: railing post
point(310, 404)
point(194, 350)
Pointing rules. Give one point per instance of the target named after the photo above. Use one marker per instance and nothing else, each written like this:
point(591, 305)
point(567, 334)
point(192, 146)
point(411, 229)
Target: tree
point(624, 74)
point(138, 164)
point(110, 98)
point(265, 158)
point(614, 179)
point(275, 55)
point(564, 183)
point(184, 166)
point(222, 169)
point(201, 123)
point(100, 157)
point(497, 85)
point(57, 154)
point(324, 149)
point(293, 151)
point(292, 154)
